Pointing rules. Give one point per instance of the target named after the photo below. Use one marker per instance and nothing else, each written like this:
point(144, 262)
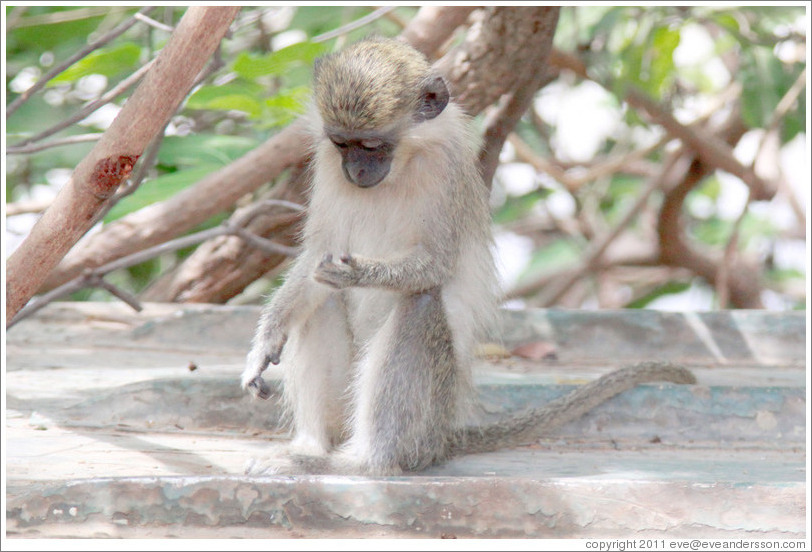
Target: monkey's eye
point(339, 143)
point(371, 145)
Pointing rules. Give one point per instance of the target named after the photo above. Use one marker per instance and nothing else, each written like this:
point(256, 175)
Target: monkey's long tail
point(537, 422)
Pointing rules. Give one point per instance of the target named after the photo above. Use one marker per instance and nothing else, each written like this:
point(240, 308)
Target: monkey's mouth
point(366, 178)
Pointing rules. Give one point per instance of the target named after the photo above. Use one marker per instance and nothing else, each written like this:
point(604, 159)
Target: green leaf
point(661, 74)
point(784, 275)
point(669, 288)
point(623, 190)
point(203, 149)
point(158, 189)
point(107, 62)
point(764, 82)
point(237, 102)
point(250, 66)
point(320, 19)
point(53, 36)
point(711, 187)
point(556, 255)
point(726, 20)
point(794, 123)
point(713, 231)
point(142, 274)
point(516, 207)
point(284, 107)
point(205, 94)
point(608, 21)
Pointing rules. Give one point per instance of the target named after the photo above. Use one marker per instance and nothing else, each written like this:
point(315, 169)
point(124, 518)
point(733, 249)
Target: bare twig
point(69, 141)
point(266, 203)
point(95, 277)
point(116, 32)
point(352, 25)
point(771, 136)
point(106, 98)
point(97, 281)
point(604, 167)
point(712, 150)
point(556, 289)
point(13, 18)
point(264, 244)
point(152, 23)
point(525, 153)
point(69, 15)
point(27, 206)
point(88, 276)
point(220, 268)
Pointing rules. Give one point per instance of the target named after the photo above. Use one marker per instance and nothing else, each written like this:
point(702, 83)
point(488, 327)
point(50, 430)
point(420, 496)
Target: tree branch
point(742, 280)
point(432, 26)
point(210, 196)
point(68, 141)
point(712, 150)
point(40, 84)
point(221, 267)
point(106, 98)
point(95, 277)
point(220, 190)
point(539, 26)
point(553, 291)
point(357, 24)
point(111, 161)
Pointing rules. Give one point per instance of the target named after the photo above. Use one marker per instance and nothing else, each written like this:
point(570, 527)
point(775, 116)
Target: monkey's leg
point(316, 365)
point(405, 391)
point(316, 368)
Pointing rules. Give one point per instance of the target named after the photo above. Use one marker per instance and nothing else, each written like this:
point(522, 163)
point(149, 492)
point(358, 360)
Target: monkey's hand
point(267, 349)
point(342, 274)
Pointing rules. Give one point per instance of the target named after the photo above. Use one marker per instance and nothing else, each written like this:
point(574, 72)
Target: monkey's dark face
point(365, 158)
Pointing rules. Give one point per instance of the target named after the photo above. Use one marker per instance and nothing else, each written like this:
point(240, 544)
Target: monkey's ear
point(433, 99)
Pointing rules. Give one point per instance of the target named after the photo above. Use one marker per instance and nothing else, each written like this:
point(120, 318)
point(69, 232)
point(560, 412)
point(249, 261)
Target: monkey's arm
point(292, 303)
point(414, 272)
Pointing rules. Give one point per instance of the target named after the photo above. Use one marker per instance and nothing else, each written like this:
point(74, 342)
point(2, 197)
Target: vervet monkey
point(378, 317)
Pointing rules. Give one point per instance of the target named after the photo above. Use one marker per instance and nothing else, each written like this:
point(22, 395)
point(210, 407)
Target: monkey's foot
point(294, 464)
point(270, 466)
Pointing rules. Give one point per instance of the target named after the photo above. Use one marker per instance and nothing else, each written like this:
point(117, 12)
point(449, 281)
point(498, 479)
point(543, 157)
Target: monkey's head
point(369, 95)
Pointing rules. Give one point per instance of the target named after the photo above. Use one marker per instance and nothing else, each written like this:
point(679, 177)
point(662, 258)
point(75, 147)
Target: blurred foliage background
point(578, 162)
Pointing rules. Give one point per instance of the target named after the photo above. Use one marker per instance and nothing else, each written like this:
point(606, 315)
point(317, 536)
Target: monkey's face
point(365, 157)
point(368, 97)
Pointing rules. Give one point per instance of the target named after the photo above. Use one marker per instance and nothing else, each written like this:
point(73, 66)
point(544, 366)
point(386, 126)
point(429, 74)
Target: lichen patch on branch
point(109, 173)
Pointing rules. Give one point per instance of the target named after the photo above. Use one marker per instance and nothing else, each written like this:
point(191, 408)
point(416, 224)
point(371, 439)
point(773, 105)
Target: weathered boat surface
point(123, 424)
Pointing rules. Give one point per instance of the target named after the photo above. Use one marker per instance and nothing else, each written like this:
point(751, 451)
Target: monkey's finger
point(259, 388)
